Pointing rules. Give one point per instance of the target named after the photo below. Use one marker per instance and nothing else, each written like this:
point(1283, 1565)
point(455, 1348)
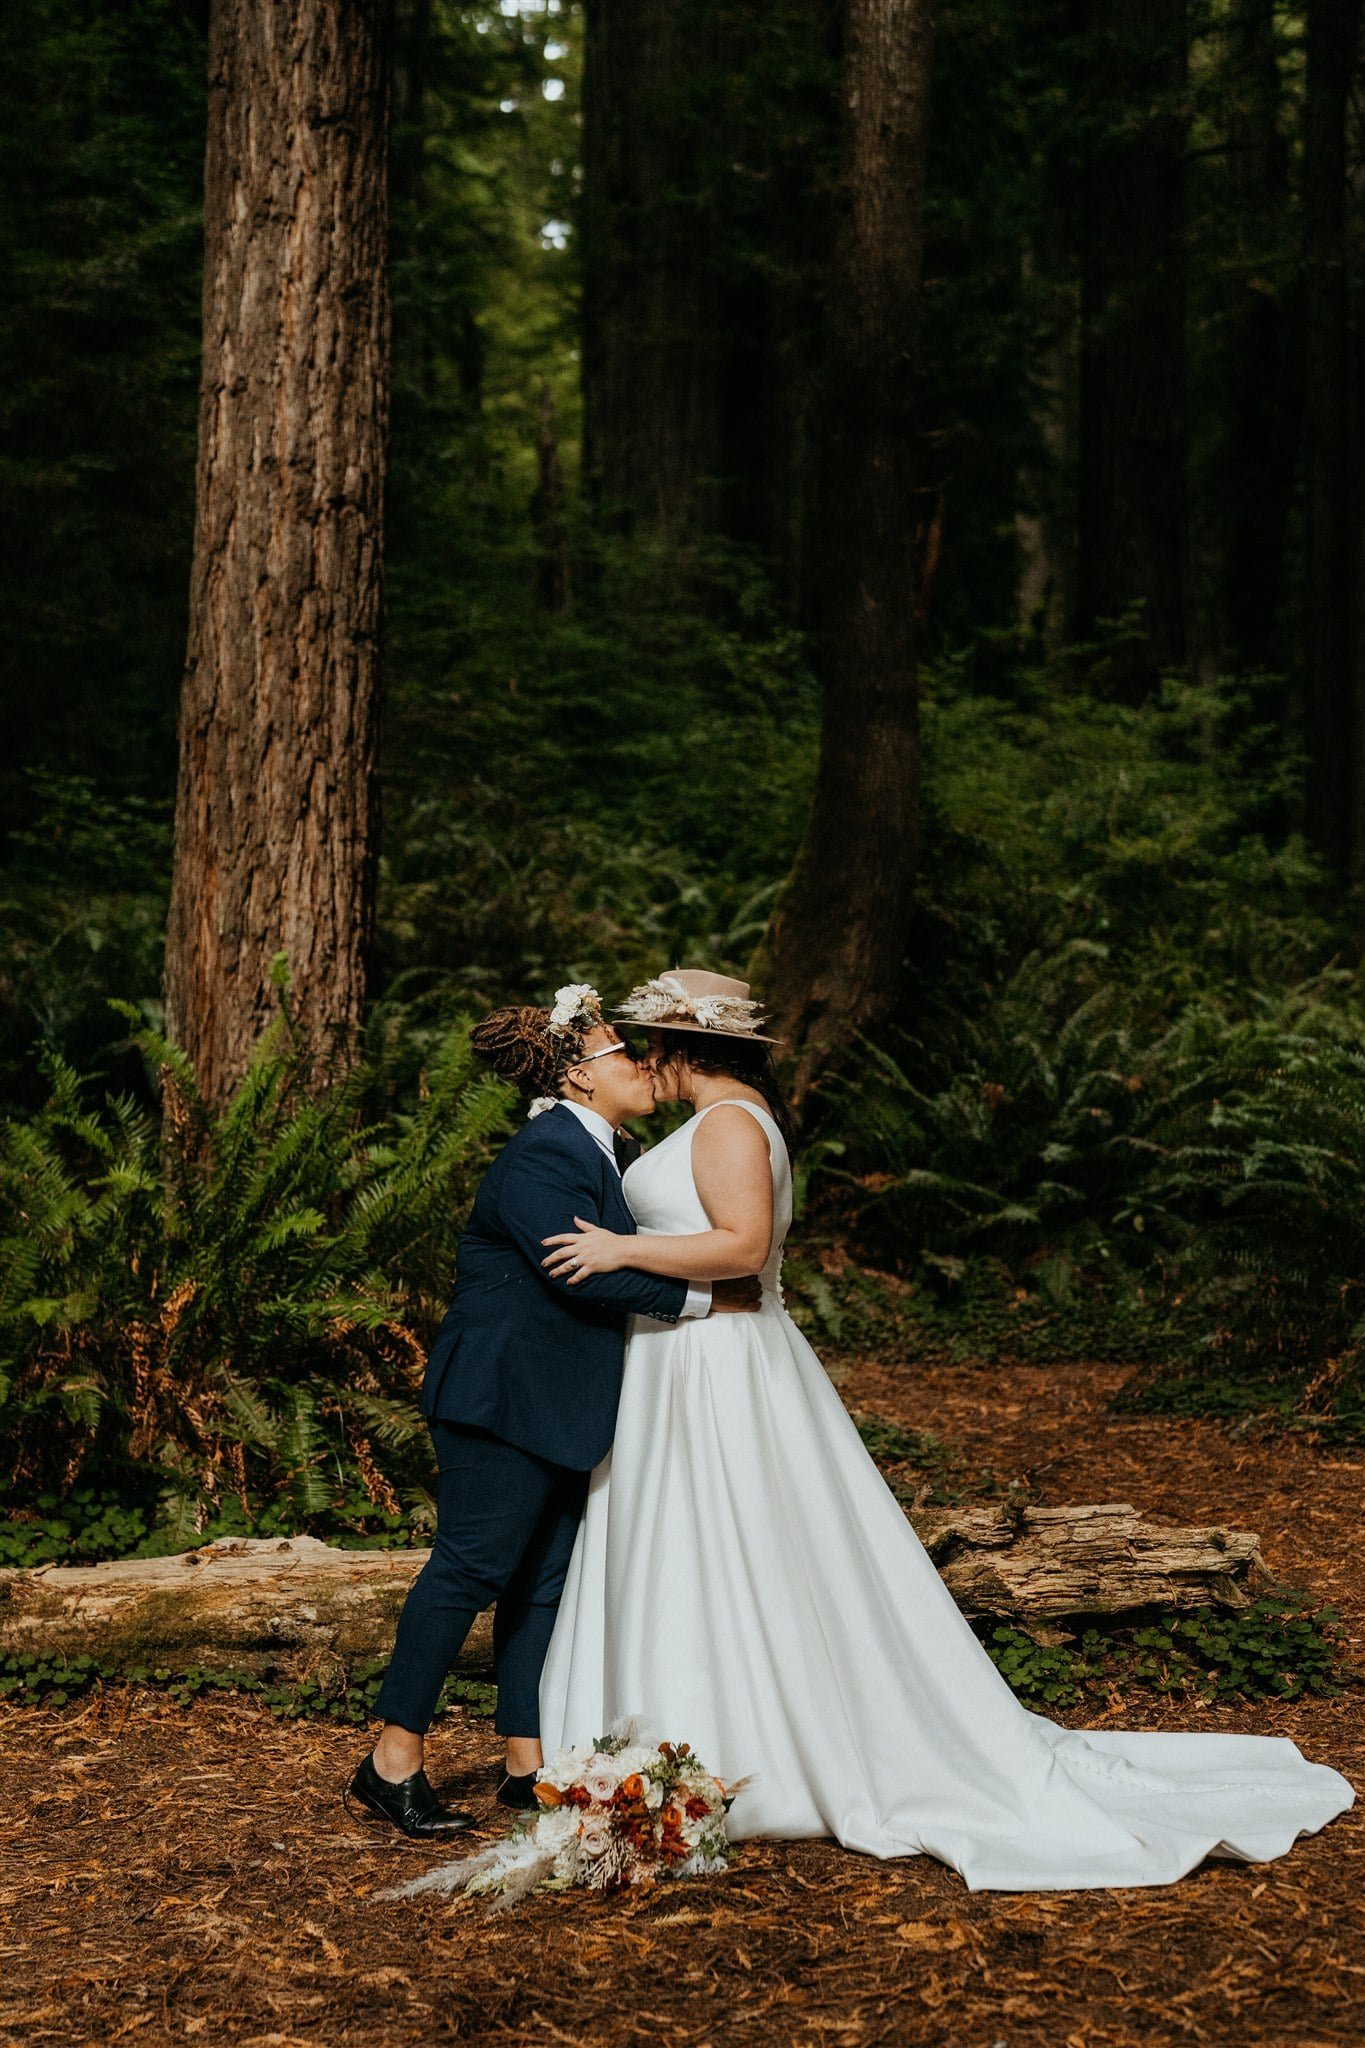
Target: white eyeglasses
point(601, 1054)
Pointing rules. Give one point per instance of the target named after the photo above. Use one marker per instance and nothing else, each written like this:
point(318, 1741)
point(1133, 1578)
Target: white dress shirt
point(698, 1302)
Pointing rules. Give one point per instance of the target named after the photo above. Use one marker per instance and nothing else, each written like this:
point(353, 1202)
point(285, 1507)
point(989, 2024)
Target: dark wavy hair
point(518, 1043)
point(741, 1059)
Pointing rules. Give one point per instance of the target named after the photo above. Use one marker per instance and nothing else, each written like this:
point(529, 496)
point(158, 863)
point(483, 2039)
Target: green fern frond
point(257, 1423)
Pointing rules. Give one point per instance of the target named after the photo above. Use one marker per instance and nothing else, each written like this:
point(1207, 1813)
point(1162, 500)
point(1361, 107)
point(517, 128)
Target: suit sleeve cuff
point(698, 1302)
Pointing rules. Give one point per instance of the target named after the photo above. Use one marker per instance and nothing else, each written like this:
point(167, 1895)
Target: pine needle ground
point(171, 1875)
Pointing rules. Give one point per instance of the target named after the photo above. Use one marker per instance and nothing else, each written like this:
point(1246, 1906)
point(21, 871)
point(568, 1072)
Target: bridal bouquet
point(626, 1811)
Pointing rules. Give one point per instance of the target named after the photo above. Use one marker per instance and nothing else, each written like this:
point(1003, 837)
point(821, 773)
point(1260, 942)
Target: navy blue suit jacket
point(529, 1358)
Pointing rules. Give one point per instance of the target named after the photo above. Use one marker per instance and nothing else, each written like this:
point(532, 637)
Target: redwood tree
point(1133, 433)
point(706, 152)
point(831, 962)
point(276, 805)
point(1331, 717)
point(651, 450)
point(1254, 475)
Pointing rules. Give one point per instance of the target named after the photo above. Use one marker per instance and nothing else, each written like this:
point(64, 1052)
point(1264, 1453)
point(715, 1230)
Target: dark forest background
point(1117, 1106)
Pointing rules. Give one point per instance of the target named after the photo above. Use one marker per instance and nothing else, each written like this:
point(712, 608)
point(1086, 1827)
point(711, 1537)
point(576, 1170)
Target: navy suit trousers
point(505, 1528)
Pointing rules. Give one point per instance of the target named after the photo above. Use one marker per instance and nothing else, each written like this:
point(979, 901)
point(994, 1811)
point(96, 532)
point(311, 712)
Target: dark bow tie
point(626, 1148)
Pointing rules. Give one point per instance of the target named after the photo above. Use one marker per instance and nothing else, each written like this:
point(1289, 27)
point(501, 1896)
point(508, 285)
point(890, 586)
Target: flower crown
point(664, 1000)
point(577, 1008)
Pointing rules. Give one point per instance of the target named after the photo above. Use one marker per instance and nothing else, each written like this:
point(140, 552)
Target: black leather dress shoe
point(518, 1791)
point(410, 1805)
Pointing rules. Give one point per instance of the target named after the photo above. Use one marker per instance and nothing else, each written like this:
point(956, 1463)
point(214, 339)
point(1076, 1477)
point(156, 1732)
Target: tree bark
point(1131, 513)
point(1045, 521)
point(1041, 1565)
point(1331, 718)
point(831, 961)
point(283, 1602)
point(294, 1602)
point(412, 56)
point(276, 808)
point(706, 138)
point(553, 582)
point(651, 449)
point(1255, 479)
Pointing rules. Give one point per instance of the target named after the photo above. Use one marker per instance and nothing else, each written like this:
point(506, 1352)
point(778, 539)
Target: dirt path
point(179, 1875)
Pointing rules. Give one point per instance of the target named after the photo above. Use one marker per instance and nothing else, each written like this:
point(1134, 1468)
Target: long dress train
point(745, 1581)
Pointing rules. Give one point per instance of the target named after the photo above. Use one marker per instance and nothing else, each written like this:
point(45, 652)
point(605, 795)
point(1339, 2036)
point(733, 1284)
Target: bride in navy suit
point(520, 1394)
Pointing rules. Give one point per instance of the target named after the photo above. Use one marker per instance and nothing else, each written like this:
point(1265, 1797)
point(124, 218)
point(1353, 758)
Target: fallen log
point(302, 1608)
point(292, 1604)
point(1047, 1565)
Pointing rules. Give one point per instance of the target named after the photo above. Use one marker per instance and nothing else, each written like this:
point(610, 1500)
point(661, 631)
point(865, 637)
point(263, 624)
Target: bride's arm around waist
point(733, 1178)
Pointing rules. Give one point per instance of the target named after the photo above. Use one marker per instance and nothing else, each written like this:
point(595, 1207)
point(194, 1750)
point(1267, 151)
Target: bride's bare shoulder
point(728, 1128)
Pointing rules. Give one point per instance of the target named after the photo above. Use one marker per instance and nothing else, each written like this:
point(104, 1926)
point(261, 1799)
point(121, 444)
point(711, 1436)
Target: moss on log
point(292, 1605)
point(299, 1607)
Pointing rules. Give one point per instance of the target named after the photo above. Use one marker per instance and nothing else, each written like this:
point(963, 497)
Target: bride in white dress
point(745, 1580)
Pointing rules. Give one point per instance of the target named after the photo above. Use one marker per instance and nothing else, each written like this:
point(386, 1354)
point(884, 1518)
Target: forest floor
point(173, 1875)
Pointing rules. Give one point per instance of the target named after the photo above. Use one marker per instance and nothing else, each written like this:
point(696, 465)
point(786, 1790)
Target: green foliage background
point(1120, 1113)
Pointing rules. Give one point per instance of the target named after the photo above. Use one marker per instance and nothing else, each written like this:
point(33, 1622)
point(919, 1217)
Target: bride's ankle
point(524, 1755)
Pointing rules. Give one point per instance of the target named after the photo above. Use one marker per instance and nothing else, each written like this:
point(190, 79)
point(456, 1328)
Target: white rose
point(565, 1768)
point(636, 1759)
point(579, 995)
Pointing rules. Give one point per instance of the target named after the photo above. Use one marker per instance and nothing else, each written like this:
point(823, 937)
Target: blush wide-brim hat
point(690, 999)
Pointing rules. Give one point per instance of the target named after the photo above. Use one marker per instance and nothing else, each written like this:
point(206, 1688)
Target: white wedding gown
point(745, 1581)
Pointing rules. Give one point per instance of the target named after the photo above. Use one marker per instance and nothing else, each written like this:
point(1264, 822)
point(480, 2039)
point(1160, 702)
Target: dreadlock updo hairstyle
point(740, 1059)
point(519, 1045)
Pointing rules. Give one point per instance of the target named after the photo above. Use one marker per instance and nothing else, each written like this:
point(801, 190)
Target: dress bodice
point(662, 1194)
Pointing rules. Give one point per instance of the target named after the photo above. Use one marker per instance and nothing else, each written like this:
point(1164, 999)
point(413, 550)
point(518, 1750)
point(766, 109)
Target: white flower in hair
point(540, 1105)
point(579, 1003)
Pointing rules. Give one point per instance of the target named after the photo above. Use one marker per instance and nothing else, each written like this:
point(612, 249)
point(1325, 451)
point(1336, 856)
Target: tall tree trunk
point(412, 52)
point(650, 436)
point(1329, 696)
point(553, 582)
point(1256, 477)
point(832, 959)
point(703, 226)
point(1045, 522)
point(1132, 491)
point(276, 819)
